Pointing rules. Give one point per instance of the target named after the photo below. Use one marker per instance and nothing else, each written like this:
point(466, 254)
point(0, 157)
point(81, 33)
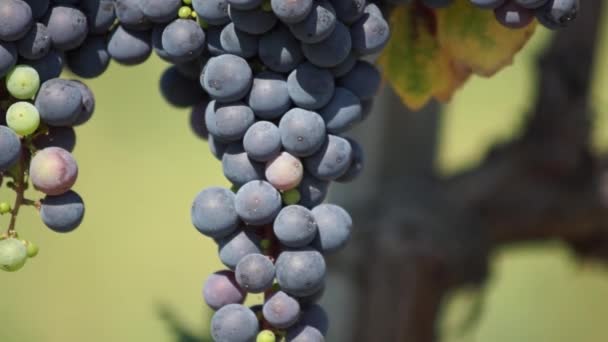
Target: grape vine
point(273, 86)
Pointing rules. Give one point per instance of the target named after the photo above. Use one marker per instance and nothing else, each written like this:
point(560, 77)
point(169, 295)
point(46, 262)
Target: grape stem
point(19, 190)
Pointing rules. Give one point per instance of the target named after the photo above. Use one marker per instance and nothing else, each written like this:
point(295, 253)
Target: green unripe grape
point(291, 196)
point(5, 208)
point(13, 254)
point(23, 118)
point(32, 249)
point(187, 2)
point(266, 6)
point(194, 15)
point(265, 244)
point(266, 336)
point(23, 82)
point(184, 12)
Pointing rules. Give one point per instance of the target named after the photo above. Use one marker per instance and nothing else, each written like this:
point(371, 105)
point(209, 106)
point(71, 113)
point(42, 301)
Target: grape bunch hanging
point(273, 86)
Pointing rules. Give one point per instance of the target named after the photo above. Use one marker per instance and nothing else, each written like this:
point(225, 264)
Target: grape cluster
point(282, 81)
point(39, 110)
point(515, 14)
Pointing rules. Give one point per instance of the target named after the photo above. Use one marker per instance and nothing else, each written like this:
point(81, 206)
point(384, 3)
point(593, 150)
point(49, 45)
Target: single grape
point(302, 132)
point(310, 87)
point(59, 102)
point(53, 171)
point(334, 225)
point(300, 272)
point(281, 310)
point(129, 47)
point(23, 118)
point(369, 34)
point(10, 148)
point(62, 213)
point(291, 196)
point(23, 82)
point(265, 336)
point(13, 254)
point(284, 172)
point(255, 273)
point(237, 166)
point(258, 202)
point(183, 40)
point(234, 323)
point(213, 212)
point(262, 141)
point(233, 248)
point(67, 26)
point(295, 226)
point(269, 97)
point(333, 50)
point(184, 12)
point(32, 249)
point(237, 42)
point(227, 78)
point(279, 50)
point(16, 19)
point(557, 13)
point(36, 43)
point(332, 160)
point(318, 25)
point(5, 208)
point(228, 121)
point(221, 289)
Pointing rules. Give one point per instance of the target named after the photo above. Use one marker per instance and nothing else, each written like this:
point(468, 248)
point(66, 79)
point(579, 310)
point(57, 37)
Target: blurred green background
point(137, 257)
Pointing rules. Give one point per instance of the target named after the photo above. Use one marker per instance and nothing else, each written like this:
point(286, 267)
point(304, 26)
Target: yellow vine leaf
point(432, 53)
point(413, 61)
point(474, 39)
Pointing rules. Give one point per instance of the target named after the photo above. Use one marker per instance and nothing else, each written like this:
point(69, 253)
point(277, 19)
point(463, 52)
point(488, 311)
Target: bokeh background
point(134, 270)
